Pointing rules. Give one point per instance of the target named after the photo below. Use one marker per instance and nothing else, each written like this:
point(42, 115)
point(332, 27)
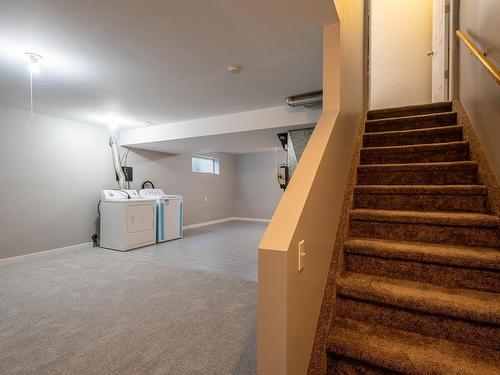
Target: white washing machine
point(169, 214)
point(127, 221)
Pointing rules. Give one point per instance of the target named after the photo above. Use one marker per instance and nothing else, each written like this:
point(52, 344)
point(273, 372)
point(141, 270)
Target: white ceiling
point(157, 60)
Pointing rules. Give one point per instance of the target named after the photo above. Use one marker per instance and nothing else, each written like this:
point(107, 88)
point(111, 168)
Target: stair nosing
point(442, 145)
point(423, 297)
point(413, 131)
point(469, 257)
point(426, 165)
point(446, 218)
point(416, 117)
point(410, 107)
point(421, 189)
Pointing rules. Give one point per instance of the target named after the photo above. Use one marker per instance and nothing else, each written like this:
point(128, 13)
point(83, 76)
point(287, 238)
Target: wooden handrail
point(481, 56)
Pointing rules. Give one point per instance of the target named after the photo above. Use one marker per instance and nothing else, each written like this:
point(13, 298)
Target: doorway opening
point(410, 48)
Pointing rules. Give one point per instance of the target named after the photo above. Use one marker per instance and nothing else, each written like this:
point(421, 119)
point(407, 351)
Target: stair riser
point(401, 157)
point(338, 364)
point(422, 202)
point(378, 140)
point(430, 233)
point(472, 333)
point(389, 176)
point(453, 277)
point(410, 112)
point(435, 121)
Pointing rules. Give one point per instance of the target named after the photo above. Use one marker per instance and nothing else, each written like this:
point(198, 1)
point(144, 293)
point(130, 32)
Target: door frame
point(452, 24)
point(367, 54)
point(453, 75)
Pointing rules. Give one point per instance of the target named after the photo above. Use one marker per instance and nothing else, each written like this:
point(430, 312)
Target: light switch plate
point(301, 255)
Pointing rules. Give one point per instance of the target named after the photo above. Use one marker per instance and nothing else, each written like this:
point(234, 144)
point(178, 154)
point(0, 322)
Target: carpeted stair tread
point(421, 153)
point(441, 326)
point(411, 110)
point(438, 173)
point(452, 266)
point(441, 227)
point(426, 217)
point(408, 352)
point(424, 121)
point(458, 198)
point(448, 255)
point(447, 165)
point(422, 189)
point(464, 304)
point(339, 364)
point(412, 137)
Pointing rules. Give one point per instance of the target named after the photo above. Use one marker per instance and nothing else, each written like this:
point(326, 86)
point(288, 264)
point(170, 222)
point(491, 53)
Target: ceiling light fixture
point(34, 61)
point(234, 68)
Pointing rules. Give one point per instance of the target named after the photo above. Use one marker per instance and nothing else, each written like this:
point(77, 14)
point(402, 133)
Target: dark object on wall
point(128, 172)
point(283, 176)
point(147, 185)
point(284, 140)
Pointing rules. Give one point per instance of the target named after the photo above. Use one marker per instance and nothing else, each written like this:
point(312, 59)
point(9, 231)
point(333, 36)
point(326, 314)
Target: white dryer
point(169, 214)
point(127, 221)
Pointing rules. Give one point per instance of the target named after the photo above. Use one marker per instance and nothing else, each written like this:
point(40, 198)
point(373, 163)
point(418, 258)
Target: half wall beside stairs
point(289, 300)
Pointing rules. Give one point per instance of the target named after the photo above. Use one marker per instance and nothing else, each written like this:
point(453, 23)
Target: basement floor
point(182, 307)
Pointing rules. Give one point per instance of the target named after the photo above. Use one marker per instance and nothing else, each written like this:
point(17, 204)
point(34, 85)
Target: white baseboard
point(31, 255)
point(205, 223)
point(251, 219)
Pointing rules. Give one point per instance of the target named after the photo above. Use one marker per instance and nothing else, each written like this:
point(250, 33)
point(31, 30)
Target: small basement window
point(205, 164)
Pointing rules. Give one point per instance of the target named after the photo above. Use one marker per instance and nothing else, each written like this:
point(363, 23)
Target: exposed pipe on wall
point(116, 162)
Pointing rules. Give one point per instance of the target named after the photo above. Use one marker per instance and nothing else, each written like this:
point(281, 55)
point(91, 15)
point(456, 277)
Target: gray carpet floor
point(95, 311)
point(229, 249)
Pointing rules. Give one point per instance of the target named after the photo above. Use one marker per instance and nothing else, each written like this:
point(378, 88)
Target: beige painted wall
point(290, 301)
point(400, 36)
point(479, 93)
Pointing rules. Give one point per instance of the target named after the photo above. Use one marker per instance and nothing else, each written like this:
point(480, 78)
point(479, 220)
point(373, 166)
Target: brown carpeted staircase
point(419, 292)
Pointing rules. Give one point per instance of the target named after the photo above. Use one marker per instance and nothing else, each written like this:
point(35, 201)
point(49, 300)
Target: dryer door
point(141, 224)
point(140, 218)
